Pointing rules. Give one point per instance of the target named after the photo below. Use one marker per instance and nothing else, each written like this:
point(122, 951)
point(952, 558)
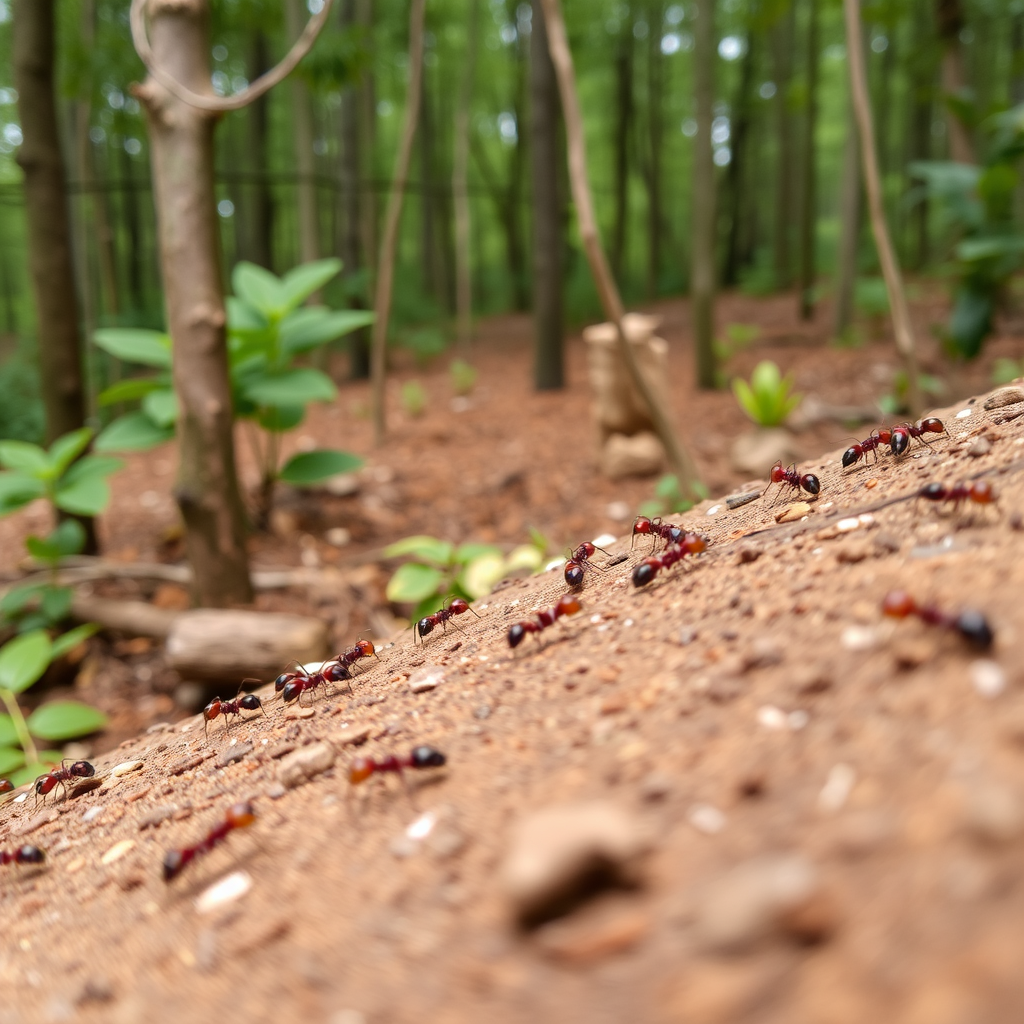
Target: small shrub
point(767, 399)
point(669, 498)
point(895, 402)
point(22, 417)
point(463, 376)
point(414, 398)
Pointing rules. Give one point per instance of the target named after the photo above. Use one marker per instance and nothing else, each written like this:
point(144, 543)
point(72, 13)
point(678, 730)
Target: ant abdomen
point(810, 483)
point(427, 757)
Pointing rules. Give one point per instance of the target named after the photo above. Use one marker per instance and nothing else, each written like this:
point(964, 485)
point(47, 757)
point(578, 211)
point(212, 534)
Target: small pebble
point(299, 713)
point(93, 813)
point(793, 513)
point(714, 508)
point(305, 764)
point(422, 826)
point(707, 819)
point(687, 635)
point(859, 638)
point(157, 816)
point(963, 414)
point(837, 788)
point(350, 736)
point(117, 851)
point(772, 717)
point(426, 678)
point(126, 768)
point(980, 446)
point(845, 525)
point(233, 754)
point(988, 677)
point(230, 888)
point(275, 791)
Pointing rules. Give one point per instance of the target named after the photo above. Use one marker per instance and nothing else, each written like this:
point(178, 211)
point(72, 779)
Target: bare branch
point(251, 92)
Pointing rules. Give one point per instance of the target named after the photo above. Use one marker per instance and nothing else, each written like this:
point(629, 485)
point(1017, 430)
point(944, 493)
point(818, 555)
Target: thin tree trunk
point(949, 17)
point(258, 209)
point(368, 133)
point(849, 230)
point(548, 221)
point(428, 200)
point(305, 159)
point(389, 241)
point(517, 174)
point(623, 122)
point(702, 276)
point(460, 188)
point(181, 144)
point(679, 459)
point(782, 44)
point(655, 132)
point(902, 327)
point(133, 226)
point(808, 194)
point(736, 173)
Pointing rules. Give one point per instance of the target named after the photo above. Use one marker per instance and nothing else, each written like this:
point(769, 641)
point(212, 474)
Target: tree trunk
point(548, 220)
point(432, 271)
point(181, 144)
point(949, 18)
point(808, 194)
point(305, 159)
point(133, 226)
point(702, 276)
point(782, 45)
point(655, 132)
point(517, 174)
point(460, 188)
point(849, 231)
point(256, 240)
point(49, 227)
point(389, 241)
point(623, 122)
point(737, 171)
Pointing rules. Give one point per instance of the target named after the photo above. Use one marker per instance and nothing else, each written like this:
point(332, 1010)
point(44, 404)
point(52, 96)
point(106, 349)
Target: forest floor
point(809, 812)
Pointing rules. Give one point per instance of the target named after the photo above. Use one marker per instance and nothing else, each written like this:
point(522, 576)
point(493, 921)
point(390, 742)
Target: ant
point(62, 776)
point(809, 482)
point(361, 649)
point(238, 816)
point(250, 702)
point(426, 625)
point(669, 533)
point(853, 454)
point(568, 604)
point(979, 491)
point(645, 571)
point(23, 855)
point(5, 786)
point(419, 757)
point(579, 562)
point(970, 624)
point(902, 434)
point(297, 683)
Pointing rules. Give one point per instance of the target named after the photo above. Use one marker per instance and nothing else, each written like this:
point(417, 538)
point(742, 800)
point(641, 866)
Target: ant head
point(810, 483)
point(588, 548)
point(645, 572)
point(899, 440)
point(250, 702)
point(898, 604)
point(365, 648)
point(676, 534)
point(516, 632)
point(425, 626)
point(360, 770)
point(974, 626)
point(5, 786)
point(574, 574)
point(982, 492)
point(291, 691)
point(851, 455)
point(884, 434)
point(642, 524)
point(933, 491)
point(695, 543)
point(458, 605)
point(28, 854)
point(568, 604)
point(778, 473)
point(240, 815)
point(83, 770)
point(427, 757)
point(173, 863)
point(211, 711)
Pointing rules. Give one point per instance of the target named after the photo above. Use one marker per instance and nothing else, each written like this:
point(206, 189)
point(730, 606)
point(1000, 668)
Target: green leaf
point(430, 549)
point(135, 345)
point(65, 720)
point(26, 458)
point(133, 432)
point(414, 582)
point(17, 598)
point(42, 550)
point(66, 449)
point(244, 318)
point(8, 734)
point(11, 758)
point(311, 326)
point(31, 772)
point(479, 577)
point(129, 390)
point(260, 288)
point(290, 387)
point(667, 486)
point(466, 553)
point(300, 282)
point(17, 490)
point(312, 467)
point(280, 418)
point(161, 407)
point(72, 638)
point(69, 537)
point(56, 603)
point(83, 490)
point(24, 659)
point(525, 556)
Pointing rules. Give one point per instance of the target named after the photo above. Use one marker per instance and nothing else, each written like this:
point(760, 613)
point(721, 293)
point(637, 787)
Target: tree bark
point(782, 45)
point(547, 213)
point(902, 327)
point(702, 275)
point(623, 122)
point(460, 188)
point(181, 144)
point(808, 194)
point(49, 227)
point(736, 174)
point(389, 241)
point(949, 18)
point(849, 230)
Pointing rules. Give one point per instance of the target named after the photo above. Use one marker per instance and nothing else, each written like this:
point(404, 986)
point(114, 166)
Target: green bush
point(767, 399)
point(22, 417)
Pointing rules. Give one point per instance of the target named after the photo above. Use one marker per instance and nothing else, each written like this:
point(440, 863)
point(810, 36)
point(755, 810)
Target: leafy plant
point(413, 398)
point(669, 498)
point(70, 484)
point(767, 399)
point(425, 343)
point(439, 570)
point(1004, 370)
point(895, 402)
point(23, 661)
point(269, 330)
point(463, 376)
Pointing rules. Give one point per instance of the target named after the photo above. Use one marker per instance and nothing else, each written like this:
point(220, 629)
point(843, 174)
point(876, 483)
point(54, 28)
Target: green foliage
point(425, 343)
point(870, 296)
point(463, 376)
point(21, 410)
point(767, 399)
point(440, 569)
point(895, 402)
point(1004, 370)
point(312, 467)
point(737, 338)
point(413, 398)
point(669, 497)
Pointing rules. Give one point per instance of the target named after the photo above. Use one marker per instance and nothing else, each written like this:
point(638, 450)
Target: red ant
point(458, 606)
point(62, 776)
point(361, 649)
point(5, 786)
point(883, 435)
point(809, 482)
point(970, 624)
point(568, 604)
point(979, 491)
point(902, 434)
point(656, 528)
point(645, 571)
point(419, 757)
point(238, 816)
point(579, 562)
point(295, 684)
point(23, 855)
point(250, 702)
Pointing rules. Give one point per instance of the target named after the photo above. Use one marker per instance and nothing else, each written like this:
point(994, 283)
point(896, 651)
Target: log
point(218, 644)
point(137, 618)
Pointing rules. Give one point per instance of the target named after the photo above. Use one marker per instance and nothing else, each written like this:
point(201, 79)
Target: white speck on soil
point(603, 540)
point(422, 826)
point(963, 414)
point(837, 788)
point(230, 888)
point(714, 508)
point(988, 677)
point(845, 525)
point(707, 819)
point(772, 717)
point(859, 638)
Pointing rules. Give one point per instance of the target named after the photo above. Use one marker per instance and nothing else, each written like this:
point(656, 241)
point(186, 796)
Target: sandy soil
point(751, 702)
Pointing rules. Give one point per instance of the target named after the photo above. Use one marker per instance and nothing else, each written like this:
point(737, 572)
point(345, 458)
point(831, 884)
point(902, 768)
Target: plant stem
point(20, 727)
